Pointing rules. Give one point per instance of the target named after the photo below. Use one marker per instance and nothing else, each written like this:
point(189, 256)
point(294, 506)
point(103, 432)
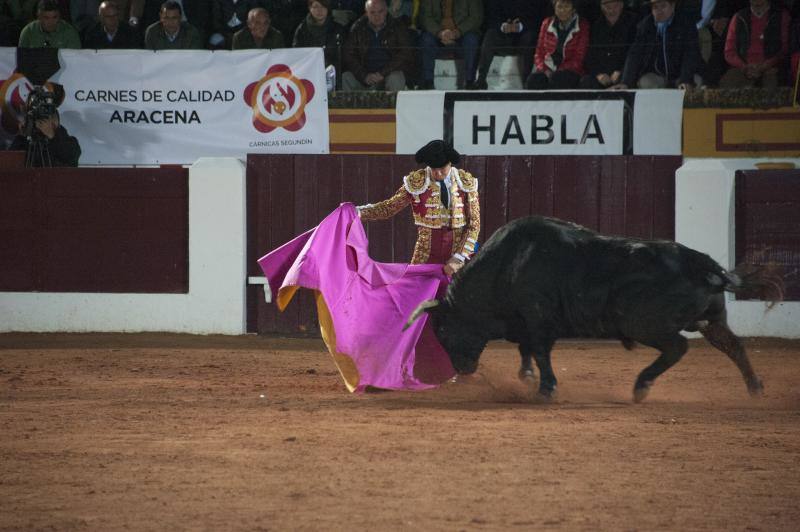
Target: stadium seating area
point(215, 23)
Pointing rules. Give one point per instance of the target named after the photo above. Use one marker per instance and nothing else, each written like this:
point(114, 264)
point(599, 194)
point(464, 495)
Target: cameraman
point(54, 146)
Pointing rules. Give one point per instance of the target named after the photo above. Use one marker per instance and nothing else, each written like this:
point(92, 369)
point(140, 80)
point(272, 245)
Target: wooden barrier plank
point(96, 230)
point(613, 181)
point(768, 224)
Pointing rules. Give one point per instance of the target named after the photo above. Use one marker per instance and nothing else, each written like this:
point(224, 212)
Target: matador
point(444, 203)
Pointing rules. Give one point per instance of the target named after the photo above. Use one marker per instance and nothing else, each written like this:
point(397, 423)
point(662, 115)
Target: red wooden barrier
point(768, 224)
point(94, 230)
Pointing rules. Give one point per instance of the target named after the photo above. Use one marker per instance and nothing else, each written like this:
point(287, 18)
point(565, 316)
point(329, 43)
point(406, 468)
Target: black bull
point(540, 279)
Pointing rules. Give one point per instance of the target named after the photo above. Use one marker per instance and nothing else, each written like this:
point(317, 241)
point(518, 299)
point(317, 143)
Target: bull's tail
point(763, 281)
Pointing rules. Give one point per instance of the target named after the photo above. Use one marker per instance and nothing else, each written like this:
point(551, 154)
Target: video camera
point(41, 104)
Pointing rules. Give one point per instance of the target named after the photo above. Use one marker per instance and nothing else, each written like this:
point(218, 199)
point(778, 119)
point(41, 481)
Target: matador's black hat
point(437, 153)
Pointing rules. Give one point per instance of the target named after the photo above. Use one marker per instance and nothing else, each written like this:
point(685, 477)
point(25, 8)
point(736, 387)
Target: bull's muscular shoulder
point(467, 182)
point(416, 182)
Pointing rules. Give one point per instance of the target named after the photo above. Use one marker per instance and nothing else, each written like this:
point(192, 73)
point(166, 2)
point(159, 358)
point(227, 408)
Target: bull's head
point(461, 339)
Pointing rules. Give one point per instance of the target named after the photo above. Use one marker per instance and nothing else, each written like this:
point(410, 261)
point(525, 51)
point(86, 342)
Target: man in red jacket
point(560, 50)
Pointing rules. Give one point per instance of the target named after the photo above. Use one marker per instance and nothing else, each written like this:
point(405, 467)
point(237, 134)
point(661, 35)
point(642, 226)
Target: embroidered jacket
point(423, 194)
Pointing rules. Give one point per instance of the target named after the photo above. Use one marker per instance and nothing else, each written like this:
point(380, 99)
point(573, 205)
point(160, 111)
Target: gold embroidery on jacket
point(463, 218)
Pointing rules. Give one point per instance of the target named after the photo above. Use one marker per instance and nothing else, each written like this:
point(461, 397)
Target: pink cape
point(362, 305)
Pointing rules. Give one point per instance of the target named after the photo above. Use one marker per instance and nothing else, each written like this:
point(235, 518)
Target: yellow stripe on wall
point(741, 132)
point(362, 130)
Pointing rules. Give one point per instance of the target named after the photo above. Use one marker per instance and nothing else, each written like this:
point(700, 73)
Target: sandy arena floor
point(168, 432)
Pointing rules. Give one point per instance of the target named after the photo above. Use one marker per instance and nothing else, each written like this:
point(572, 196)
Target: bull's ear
point(425, 306)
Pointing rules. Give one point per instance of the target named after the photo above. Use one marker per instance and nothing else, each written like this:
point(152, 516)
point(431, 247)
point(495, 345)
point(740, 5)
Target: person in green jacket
point(259, 32)
point(48, 30)
point(169, 33)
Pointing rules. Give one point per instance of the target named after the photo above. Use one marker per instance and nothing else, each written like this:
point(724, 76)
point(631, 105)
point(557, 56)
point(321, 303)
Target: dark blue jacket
point(677, 57)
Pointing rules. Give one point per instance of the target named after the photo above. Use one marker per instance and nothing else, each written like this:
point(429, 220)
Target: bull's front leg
point(547, 379)
point(526, 366)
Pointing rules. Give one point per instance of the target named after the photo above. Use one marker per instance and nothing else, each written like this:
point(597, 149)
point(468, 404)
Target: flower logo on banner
point(279, 100)
point(13, 95)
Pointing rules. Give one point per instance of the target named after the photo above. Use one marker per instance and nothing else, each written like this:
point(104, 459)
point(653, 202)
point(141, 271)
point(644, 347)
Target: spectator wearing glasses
point(110, 32)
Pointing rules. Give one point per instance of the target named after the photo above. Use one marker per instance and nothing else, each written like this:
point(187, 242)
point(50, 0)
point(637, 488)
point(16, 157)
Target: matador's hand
point(452, 266)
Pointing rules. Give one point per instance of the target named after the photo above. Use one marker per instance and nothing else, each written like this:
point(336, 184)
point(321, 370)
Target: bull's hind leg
point(720, 336)
point(672, 350)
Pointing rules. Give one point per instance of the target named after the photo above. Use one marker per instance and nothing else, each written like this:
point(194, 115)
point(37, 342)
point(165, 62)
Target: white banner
point(588, 127)
point(173, 107)
point(543, 123)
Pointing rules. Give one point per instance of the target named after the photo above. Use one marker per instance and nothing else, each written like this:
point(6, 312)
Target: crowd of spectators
point(393, 44)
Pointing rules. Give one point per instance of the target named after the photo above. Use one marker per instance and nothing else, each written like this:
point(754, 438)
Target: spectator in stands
point(259, 33)
point(611, 37)
point(170, 33)
point(560, 50)
point(59, 148)
point(320, 30)
point(757, 46)
point(453, 24)
point(198, 13)
point(110, 32)
point(665, 52)
point(48, 30)
point(377, 52)
point(512, 27)
point(229, 17)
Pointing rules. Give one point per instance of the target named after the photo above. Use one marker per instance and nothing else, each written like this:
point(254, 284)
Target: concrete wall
point(704, 220)
point(217, 276)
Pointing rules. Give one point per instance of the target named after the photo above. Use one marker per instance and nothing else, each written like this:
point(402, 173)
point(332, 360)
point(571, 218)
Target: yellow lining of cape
point(344, 363)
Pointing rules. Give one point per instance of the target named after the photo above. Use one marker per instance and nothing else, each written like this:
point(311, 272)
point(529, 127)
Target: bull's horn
point(422, 307)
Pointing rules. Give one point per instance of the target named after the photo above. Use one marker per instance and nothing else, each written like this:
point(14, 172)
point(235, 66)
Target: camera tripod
point(38, 153)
